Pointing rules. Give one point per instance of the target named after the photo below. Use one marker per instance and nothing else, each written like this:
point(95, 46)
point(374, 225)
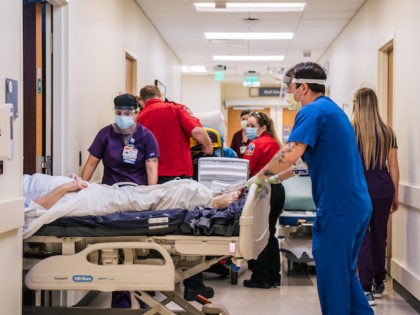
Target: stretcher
point(143, 263)
point(295, 222)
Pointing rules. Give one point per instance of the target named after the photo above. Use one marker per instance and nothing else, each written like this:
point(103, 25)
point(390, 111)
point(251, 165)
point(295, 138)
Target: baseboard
point(407, 296)
point(405, 278)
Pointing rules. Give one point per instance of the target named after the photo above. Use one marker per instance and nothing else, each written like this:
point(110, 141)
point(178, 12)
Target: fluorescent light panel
point(249, 58)
point(194, 69)
point(247, 35)
point(251, 7)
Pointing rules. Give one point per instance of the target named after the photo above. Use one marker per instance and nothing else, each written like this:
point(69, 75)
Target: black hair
point(310, 70)
point(245, 112)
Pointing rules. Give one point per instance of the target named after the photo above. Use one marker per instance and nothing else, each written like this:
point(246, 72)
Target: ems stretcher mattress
point(200, 221)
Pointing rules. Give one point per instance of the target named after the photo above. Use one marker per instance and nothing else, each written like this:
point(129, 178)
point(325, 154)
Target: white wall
point(11, 204)
point(353, 59)
point(201, 93)
point(99, 35)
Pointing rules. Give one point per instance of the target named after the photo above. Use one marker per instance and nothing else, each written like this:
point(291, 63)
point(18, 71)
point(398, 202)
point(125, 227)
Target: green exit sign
point(251, 81)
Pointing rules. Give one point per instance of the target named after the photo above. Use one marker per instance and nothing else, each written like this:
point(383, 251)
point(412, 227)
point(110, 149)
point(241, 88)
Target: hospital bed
point(295, 222)
point(154, 261)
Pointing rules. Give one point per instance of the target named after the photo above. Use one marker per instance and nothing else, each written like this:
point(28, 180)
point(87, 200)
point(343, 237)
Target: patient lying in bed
point(51, 197)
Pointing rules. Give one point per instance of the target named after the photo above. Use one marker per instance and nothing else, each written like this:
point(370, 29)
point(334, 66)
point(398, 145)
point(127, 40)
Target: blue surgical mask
point(251, 133)
point(124, 122)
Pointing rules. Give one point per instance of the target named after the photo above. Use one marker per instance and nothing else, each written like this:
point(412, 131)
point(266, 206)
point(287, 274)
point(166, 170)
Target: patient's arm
point(89, 167)
point(224, 200)
point(49, 199)
point(152, 171)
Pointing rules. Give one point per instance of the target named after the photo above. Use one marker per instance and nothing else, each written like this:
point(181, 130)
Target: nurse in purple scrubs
point(128, 150)
point(129, 153)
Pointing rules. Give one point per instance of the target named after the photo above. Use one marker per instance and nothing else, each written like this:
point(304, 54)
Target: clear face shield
point(287, 96)
point(290, 97)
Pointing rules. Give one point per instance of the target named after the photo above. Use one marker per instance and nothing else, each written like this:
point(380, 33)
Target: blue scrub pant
point(335, 247)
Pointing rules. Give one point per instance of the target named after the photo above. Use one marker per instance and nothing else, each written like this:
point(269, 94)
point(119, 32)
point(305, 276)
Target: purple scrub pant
point(371, 261)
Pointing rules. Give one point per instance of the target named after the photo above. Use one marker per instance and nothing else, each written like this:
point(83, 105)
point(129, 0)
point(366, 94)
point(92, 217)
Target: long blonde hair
point(374, 138)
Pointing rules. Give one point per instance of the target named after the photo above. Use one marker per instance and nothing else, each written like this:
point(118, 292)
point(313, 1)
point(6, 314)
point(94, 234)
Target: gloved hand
point(274, 180)
point(255, 180)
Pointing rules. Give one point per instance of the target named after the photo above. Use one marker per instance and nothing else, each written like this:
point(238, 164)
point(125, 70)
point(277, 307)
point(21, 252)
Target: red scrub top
point(171, 123)
point(260, 151)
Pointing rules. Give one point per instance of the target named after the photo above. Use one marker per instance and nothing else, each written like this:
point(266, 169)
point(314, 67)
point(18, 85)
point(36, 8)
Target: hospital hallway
point(296, 295)
point(134, 93)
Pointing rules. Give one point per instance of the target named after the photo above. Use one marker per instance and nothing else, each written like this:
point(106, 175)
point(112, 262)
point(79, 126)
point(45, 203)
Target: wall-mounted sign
point(264, 91)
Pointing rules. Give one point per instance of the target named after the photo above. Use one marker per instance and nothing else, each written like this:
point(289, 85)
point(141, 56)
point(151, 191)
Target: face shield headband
point(309, 81)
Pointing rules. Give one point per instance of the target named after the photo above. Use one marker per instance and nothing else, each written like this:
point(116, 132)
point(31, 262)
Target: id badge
point(129, 154)
point(242, 149)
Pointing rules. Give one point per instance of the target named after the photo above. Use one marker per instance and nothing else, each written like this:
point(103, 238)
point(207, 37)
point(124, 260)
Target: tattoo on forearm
point(267, 172)
point(280, 156)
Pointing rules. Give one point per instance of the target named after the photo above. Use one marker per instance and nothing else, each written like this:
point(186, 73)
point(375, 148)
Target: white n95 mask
point(293, 104)
point(244, 124)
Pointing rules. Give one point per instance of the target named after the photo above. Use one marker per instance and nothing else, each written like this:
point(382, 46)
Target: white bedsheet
point(103, 199)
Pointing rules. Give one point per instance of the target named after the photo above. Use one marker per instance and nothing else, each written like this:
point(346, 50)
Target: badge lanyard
point(129, 154)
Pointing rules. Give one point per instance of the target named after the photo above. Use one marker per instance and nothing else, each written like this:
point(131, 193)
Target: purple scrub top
point(108, 146)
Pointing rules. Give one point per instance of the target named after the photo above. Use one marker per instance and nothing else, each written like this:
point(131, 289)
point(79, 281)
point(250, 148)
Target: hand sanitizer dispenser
point(6, 132)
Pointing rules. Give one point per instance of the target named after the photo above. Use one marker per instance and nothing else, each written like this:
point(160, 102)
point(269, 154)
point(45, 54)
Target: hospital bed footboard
point(146, 263)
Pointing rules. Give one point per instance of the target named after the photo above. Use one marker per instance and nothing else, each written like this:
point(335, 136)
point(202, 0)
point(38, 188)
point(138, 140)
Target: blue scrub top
point(335, 166)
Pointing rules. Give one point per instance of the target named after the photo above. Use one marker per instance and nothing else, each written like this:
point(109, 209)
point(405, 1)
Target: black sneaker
point(191, 293)
point(253, 284)
point(378, 290)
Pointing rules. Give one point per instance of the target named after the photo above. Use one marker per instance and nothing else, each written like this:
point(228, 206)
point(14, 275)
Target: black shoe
point(191, 293)
point(275, 284)
point(253, 284)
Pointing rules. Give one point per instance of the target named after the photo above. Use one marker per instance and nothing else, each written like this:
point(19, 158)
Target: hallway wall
point(99, 35)
point(11, 203)
point(353, 60)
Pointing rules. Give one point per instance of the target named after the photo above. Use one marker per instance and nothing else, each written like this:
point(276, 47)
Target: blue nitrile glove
point(255, 180)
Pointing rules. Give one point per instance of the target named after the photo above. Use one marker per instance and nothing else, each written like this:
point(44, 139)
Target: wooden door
point(130, 74)
point(33, 144)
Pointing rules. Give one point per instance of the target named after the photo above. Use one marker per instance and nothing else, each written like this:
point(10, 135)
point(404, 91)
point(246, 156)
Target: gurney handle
point(130, 245)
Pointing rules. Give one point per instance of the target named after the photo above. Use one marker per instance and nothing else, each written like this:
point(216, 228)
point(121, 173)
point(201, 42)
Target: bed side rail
point(84, 271)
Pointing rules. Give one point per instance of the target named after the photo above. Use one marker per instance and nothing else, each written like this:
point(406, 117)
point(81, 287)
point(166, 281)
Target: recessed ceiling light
point(194, 69)
point(250, 7)
point(247, 35)
point(250, 58)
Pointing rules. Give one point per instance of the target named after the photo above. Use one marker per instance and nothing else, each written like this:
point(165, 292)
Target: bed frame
point(146, 263)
